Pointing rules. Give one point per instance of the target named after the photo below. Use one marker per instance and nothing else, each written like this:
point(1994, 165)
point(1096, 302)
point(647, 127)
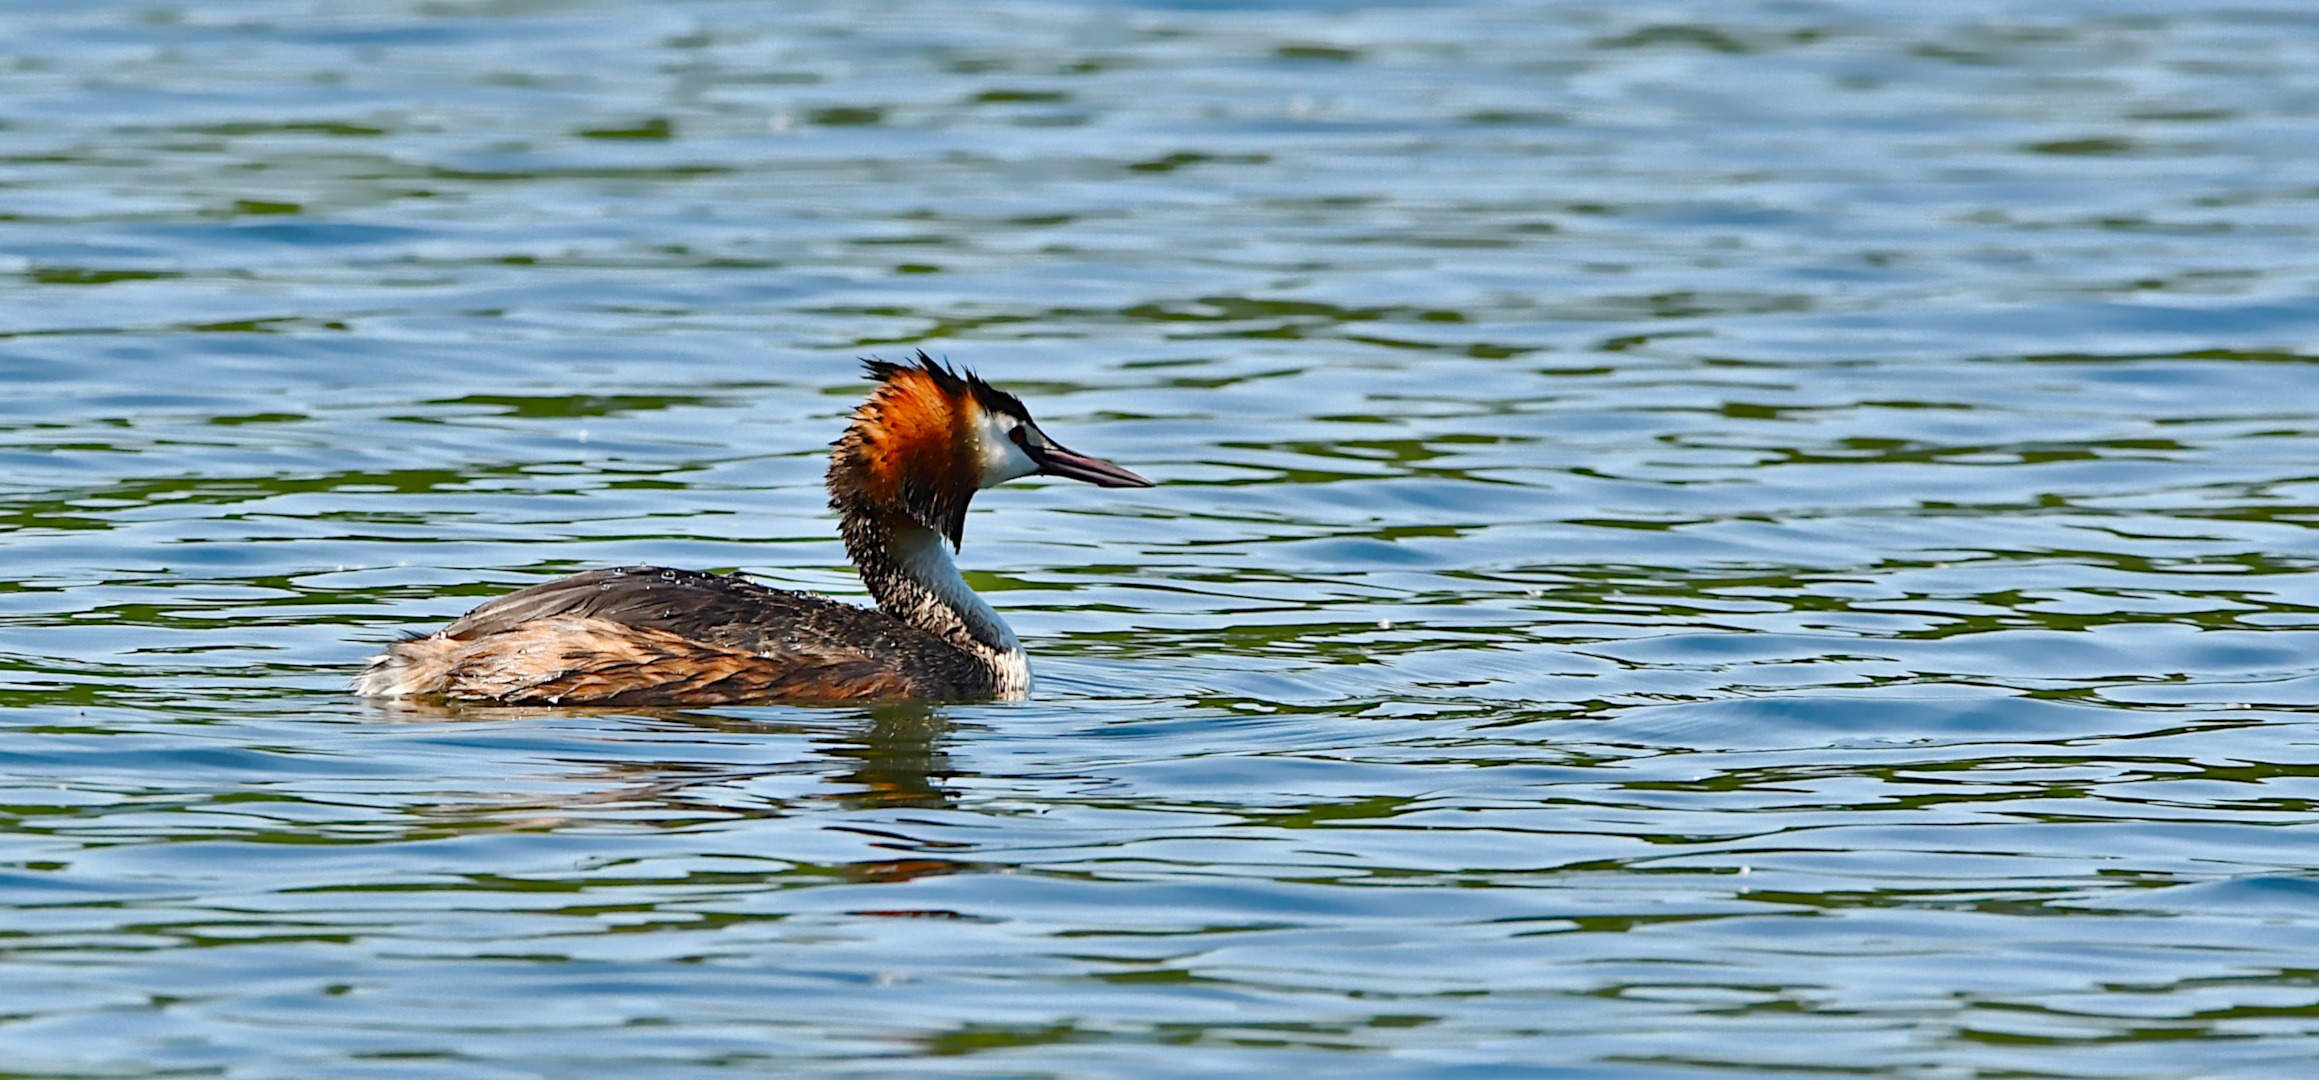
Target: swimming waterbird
point(900, 478)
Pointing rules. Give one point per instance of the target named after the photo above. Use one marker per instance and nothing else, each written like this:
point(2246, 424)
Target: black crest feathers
point(953, 381)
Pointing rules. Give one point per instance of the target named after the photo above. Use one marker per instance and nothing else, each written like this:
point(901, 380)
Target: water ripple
point(1774, 538)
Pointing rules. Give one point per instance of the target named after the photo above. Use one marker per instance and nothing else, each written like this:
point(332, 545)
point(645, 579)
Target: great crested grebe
point(900, 477)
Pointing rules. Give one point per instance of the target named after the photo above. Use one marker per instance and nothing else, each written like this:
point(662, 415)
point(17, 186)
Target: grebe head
point(930, 437)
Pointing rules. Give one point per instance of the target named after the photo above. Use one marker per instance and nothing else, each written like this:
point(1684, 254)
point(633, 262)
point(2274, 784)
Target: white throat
point(919, 554)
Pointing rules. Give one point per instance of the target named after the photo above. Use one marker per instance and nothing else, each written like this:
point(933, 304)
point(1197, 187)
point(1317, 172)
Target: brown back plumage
point(644, 635)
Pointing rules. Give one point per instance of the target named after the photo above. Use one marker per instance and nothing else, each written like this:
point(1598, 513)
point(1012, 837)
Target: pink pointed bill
point(1053, 460)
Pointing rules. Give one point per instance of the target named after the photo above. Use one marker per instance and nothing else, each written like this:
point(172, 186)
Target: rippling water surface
point(1692, 540)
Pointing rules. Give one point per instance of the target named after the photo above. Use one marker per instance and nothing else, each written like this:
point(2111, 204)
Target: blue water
point(1692, 540)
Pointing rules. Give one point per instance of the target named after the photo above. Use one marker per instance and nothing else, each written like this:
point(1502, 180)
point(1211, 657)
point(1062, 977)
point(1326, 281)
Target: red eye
point(1015, 435)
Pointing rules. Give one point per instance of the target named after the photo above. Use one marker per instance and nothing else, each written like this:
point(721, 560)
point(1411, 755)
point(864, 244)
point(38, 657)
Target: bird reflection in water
point(887, 756)
point(898, 760)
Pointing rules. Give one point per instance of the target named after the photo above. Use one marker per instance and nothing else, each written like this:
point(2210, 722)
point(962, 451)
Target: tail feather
point(411, 667)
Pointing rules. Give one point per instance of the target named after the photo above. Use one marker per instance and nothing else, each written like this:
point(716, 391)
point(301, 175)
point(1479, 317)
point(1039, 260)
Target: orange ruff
point(908, 431)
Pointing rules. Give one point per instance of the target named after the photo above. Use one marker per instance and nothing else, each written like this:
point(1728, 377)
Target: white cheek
point(1002, 460)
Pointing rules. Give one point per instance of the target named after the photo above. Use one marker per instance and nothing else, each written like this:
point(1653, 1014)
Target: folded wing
point(645, 635)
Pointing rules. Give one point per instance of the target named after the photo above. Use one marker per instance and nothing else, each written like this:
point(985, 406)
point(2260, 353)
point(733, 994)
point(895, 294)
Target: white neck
point(945, 606)
point(920, 553)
